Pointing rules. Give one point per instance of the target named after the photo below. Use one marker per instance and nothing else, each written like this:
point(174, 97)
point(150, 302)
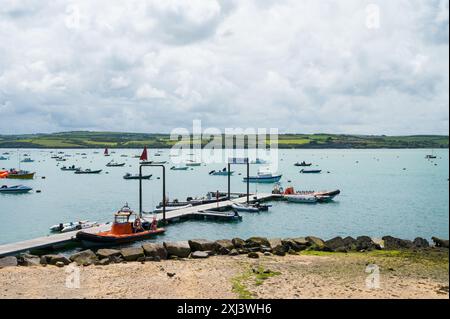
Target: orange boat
point(122, 230)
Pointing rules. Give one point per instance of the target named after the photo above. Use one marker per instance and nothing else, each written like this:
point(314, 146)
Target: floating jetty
point(60, 240)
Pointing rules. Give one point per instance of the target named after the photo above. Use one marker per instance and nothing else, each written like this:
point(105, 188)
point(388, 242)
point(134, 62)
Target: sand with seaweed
point(402, 274)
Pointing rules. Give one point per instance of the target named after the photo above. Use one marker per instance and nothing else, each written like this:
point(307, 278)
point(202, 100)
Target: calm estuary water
point(395, 192)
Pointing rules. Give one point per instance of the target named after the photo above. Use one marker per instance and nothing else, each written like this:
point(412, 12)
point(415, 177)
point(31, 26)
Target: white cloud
point(148, 92)
point(303, 66)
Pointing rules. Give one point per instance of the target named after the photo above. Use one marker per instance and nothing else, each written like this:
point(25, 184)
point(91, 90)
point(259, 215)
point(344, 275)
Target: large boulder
point(302, 241)
point(277, 247)
point(53, 259)
point(336, 244)
point(350, 243)
point(420, 242)
point(9, 261)
point(104, 261)
point(238, 243)
point(199, 254)
point(316, 243)
point(438, 242)
point(155, 250)
point(392, 243)
point(178, 249)
point(202, 245)
point(108, 253)
point(28, 260)
point(257, 242)
point(84, 258)
point(365, 243)
point(132, 253)
point(292, 244)
point(224, 246)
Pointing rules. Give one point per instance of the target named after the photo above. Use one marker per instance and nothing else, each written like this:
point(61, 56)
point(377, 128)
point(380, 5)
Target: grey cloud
point(309, 66)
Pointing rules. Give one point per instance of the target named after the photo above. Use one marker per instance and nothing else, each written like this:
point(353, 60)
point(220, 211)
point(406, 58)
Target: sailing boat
point(144, 157)
point(106, 153)
point(431, 156)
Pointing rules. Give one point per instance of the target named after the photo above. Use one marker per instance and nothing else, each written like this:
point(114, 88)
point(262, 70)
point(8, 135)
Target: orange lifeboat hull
point(109, 238)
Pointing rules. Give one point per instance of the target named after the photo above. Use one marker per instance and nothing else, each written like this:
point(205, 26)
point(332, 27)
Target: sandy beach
point(408, 274)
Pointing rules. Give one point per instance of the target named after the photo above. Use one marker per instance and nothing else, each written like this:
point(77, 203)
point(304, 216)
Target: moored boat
point(17, 189)
point(216, 215)
point(114, 164)
point(137, 176)
point(179, 168)
point(259, 161)
point(3, 158)
point(193, 164)
point(70, 168)
point(303, 164)
point(311, 171)
point(264, 176)
point(72, 226)
point(223, 172)
point(244, 208)
point(301, 198)
point(27, 160)
point(307, 196)
point(20, 174)
point(88, 171)
point(123, 230)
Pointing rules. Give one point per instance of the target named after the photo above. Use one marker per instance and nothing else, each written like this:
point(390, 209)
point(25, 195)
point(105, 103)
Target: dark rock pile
point(253, 247)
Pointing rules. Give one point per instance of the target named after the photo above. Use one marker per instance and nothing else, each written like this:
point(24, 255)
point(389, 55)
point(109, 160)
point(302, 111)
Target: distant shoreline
point(281, 148)
point(114, 140)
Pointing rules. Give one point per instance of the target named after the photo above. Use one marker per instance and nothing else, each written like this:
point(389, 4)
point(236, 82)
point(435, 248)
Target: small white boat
point(244, 208)
point(78, 226)
point(264, 176)
point(301, 198)
point(60, 227)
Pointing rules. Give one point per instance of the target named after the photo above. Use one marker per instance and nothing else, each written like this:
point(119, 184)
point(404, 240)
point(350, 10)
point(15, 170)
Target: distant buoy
point(38, 191)
point(43, 177)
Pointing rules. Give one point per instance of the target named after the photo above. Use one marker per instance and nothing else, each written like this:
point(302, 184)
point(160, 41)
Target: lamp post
point(163, 188)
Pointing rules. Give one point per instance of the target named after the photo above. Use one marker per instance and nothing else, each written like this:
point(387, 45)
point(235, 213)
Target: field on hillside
point(138, 140)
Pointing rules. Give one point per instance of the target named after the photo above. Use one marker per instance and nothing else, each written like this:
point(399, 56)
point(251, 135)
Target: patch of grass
point(261, 274)
point(257, 276)
point(310, 252)
point(239, 286)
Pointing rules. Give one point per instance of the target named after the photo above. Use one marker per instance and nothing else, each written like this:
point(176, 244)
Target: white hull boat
point(244, 208)
point(300, 198)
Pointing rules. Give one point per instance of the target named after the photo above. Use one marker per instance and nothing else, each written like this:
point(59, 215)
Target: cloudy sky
point(348, 66)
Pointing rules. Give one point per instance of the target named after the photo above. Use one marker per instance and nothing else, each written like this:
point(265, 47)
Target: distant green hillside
point(138, 140)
